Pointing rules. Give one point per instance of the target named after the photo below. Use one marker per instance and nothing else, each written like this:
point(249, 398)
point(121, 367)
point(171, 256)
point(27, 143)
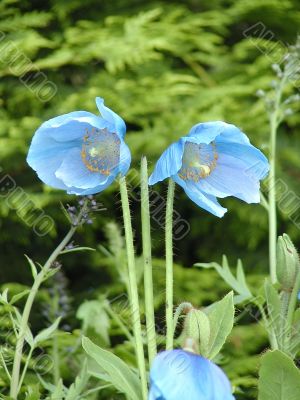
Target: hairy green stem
point(134, 297)
point(55, 349)
point(169, 264)
point(147, 257)
point(274, 122)
point(183, 307)
point(14, 385)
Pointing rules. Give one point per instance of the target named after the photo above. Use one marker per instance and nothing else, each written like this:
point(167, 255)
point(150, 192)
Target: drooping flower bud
point(288, 264)
point(197, 327)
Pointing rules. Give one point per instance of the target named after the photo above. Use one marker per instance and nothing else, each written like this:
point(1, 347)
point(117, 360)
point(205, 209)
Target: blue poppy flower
point(80, 152)
point(214, 160)
point(178, 374)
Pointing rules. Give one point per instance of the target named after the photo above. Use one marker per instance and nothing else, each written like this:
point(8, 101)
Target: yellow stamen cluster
point(100, 150)
point(198, 162)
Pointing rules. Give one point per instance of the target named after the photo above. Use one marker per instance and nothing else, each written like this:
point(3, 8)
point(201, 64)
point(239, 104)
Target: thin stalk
point(134, 297)
point(274, 122)
point(14, 386)
point(147, 257)
point(25, 368)
point(55, 349)
point(118, 320)
point(183, 307)
point(169, 265)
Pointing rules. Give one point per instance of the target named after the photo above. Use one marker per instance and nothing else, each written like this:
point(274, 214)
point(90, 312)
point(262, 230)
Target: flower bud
point(197, 328)
point(288, 264)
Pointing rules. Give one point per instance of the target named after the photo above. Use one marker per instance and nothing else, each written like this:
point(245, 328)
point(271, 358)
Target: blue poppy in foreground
point(80, 152)
point(179, 374)
point(214, 160)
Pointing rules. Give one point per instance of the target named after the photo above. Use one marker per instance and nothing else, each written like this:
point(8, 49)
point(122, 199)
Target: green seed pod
point(288, 264)
point(197, 327)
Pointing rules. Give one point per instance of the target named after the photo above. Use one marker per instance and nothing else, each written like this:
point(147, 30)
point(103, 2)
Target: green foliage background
point(163, 66)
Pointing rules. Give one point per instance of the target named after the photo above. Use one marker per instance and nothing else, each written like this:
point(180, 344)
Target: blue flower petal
point(125, 158)
point(177, 375)
point(71, 126)
point(230, 178)
point(111, 117)
point(46, 161)
point(73, 172)
point(96, 189)
point(203, 200)
point(169, 162)
point(256, 164)
point(208, 131)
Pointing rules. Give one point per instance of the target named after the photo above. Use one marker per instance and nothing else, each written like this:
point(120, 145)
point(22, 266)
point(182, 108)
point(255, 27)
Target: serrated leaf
point(77, 388)
point(59, 392)
point(238, 283)
point(119, 374)
point(47, 333)
point(279, 378)
point(221, 318)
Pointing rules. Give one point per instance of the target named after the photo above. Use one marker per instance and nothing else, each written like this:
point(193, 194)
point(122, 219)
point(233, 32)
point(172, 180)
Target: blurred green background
point(162, 66)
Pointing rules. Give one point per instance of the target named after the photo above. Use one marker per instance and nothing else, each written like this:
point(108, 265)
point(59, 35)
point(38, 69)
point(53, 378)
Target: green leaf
point(118, 373)
point(59, 392)
point(274, 310)
point(32, 266)
point(93, 315)
point(238, 283)
point(197, 326)
point(33, 393)
point(279, 378)
point(77, 388)
point(19, 296)
point(74, 249)
point(221, 318)
point(3, 296)
point(46, 333)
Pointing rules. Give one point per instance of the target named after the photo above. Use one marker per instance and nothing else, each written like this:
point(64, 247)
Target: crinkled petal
point(230, 178)
point(125, 158)
point(256, 165)
point(177, 375)
point(74, 173)
point(71, 126)
point(46, 157)
point(169, 162)
point(208, 131)
point(111, 117)
point(204, 200)
point(96, 189)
